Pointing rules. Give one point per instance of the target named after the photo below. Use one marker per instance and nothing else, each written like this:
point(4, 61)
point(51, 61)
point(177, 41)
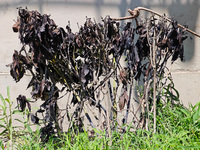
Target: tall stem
point(154, 79)
point(114, 102)
point(108, 110)
point(154, 100)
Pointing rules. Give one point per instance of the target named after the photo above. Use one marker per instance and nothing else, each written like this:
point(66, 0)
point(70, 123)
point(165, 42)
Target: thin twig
point(154, 79)
point(135, 13)
point(147, 103)
point(128, 104)
point(107, 115)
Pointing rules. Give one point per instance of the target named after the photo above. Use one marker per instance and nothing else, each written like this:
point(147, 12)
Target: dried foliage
point(22, 101)
point(84, 63)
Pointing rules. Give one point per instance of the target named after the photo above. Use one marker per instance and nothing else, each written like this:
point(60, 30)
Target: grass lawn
point(177, 128)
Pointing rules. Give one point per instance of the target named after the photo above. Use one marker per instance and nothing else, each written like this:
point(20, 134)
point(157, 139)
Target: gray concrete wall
point(185, 75)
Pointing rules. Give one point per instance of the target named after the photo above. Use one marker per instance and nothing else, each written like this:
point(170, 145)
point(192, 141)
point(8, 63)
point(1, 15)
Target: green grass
point(177, 128)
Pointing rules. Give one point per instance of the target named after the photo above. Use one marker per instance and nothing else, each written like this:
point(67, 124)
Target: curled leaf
point(34, 119)
point(22, 101)
point(123, 100)
point(17, 69)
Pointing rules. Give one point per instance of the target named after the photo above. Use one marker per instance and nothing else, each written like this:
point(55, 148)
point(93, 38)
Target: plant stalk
point(154, 79)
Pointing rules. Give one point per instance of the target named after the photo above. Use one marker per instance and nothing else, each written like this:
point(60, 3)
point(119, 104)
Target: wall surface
point(185, 74)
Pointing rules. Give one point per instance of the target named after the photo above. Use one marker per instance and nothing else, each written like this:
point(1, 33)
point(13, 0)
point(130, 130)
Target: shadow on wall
point(5, 5)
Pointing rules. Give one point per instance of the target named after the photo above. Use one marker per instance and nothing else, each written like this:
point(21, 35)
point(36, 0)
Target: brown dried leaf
point(16, 26)
point(123, 76)
point(123, 100)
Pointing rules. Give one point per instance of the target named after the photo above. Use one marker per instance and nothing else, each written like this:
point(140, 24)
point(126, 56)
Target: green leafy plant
point(1, 144)
point(194, 114)
point(29, 140)
point(6, 124)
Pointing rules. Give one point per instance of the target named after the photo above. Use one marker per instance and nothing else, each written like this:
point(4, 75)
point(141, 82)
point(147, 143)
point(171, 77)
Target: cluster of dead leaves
point(54, 55)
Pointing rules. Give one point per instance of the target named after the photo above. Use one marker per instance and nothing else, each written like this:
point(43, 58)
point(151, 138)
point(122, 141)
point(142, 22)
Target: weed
point(175, 130)
point(7, 130)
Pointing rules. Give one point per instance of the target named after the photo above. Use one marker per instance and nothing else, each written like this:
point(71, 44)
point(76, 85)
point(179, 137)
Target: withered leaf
point(17, 69)
point(123, 100)
point(34, 119)
point(16, 26)
point(22, 101)
point(46, 132)
point(163, 43)
point(40, 110)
